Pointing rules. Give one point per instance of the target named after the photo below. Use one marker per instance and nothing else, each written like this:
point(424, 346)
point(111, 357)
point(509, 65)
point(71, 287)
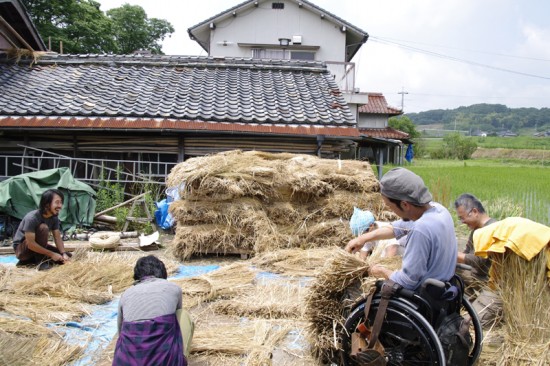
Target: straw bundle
point(272, 301)
point(206, 239)
point(92, 282)
point(18, 326)
point(92, 279)
point(256, 339)
point(20, 350)
point(43, 309)
point(525, 291)
point(294, 262)
point(325, 234)
point(338, 284)
point(243, 202)
point(212, 212)
point(11, 275)
point(226, 281)
point(341, 204)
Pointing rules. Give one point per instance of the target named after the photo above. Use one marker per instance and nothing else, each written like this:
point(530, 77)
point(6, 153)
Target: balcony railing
point(344, 74)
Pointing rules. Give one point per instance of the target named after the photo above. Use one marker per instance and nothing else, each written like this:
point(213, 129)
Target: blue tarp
point(409, 154)
point(8, 259)
point(163, 218)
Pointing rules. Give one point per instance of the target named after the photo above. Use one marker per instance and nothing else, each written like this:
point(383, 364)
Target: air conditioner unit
point(296, 39)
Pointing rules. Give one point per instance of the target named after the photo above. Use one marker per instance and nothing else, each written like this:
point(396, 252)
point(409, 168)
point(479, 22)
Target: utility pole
point(402, 92)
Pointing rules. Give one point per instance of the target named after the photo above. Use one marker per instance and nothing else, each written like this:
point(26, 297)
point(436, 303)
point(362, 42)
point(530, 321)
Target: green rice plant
point(441, 190)
point(509, 190)
point(501, 208)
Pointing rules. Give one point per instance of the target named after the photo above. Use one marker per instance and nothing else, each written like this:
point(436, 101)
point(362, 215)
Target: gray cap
point(402, 184)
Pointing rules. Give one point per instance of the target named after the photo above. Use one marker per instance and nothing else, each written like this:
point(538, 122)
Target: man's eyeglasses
point(462, 218)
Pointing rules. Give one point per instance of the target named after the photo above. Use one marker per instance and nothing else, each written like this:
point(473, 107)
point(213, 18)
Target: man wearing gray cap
point(431, 249)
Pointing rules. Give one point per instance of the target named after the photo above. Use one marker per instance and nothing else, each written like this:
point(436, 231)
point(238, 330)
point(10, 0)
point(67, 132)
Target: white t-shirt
point(384, 243)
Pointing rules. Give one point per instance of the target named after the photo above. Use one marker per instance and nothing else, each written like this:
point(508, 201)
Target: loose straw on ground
point(226, 281)
point(270, 301)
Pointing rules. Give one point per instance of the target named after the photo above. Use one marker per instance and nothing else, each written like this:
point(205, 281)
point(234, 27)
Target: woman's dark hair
point(47, 198)
point(149, 266)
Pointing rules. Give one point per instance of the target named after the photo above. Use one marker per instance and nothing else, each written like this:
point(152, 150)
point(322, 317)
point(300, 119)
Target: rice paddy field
point(505, 189)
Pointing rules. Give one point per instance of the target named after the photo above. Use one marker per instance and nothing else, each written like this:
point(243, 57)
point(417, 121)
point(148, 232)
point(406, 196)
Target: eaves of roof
point(350, 28)
point(385, 133)
point(16, 16)
point(169, 125)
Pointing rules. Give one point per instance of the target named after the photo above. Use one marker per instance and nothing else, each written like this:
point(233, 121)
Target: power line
point(460, 49)
point(456, 59)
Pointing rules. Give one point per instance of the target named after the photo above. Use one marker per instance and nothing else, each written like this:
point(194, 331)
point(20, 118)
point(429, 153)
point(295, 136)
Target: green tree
point(456, 146)
point(83, 28)
point(404, 124)
point(134, 31)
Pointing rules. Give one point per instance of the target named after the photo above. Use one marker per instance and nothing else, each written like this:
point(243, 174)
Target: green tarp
point(21, 194)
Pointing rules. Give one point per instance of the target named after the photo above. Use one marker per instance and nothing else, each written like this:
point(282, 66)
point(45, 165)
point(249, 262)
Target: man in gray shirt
point(431, 249)
point(30, 241)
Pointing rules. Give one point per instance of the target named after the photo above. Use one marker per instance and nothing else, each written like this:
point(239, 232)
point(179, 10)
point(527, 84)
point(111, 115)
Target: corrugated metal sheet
point(171, 125)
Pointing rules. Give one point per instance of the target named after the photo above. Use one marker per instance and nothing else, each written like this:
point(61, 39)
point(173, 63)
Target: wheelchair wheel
point(476, 331)
point(407, 337)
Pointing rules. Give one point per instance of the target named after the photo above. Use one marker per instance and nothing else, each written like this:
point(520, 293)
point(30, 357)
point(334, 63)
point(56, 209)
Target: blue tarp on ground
point(8, 259)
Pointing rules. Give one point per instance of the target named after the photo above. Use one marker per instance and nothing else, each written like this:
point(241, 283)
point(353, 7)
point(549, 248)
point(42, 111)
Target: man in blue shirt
point(431, 249)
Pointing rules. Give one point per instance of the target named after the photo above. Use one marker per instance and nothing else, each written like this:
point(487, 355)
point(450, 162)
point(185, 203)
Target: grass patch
point(507, 189)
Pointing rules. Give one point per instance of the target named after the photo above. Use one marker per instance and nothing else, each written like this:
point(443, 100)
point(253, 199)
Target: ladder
point(131, 218)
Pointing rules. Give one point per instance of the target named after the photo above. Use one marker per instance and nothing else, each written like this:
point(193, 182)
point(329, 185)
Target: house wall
point(264, 25)
point(372, 120)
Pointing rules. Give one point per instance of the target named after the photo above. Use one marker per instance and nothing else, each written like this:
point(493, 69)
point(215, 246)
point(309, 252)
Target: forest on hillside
point(489, 118)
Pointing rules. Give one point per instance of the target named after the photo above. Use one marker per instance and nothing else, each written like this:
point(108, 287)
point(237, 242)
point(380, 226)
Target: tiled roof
point(385, 133)
point(200, 89)
point(377, 105)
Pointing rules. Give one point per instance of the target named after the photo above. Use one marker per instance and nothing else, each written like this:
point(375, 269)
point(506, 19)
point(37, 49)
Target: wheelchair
point(409, 329)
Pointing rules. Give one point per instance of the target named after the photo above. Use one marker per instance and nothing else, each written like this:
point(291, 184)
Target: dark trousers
point(27, 256)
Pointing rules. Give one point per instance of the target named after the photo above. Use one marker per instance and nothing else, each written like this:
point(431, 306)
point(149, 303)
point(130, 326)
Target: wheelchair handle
point(463, 266)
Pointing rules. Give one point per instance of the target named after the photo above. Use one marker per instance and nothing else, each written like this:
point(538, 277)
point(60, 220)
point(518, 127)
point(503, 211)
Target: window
point(277, 6)
point(270, 54)
point(302, 55)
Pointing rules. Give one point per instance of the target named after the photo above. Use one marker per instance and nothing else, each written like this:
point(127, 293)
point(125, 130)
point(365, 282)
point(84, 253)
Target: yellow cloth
point(524, 237)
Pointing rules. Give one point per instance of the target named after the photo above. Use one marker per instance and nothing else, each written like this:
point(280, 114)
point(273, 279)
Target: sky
point(440, 54)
